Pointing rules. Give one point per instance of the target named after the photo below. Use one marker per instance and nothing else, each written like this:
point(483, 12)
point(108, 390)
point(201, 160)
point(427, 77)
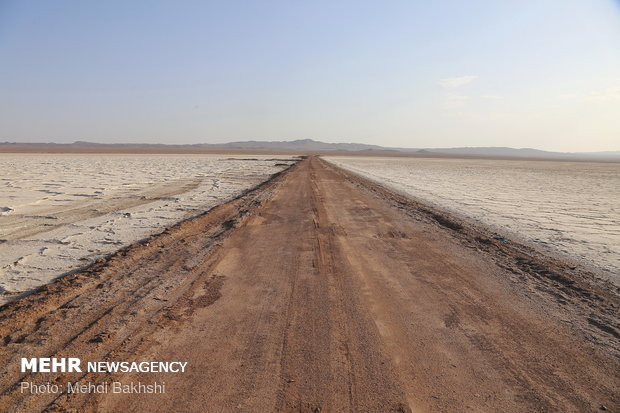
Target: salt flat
point(329, 293)
point(566, 208)
point(60, 212)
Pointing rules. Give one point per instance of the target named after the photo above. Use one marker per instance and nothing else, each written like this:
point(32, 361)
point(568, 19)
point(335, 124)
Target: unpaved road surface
point(318, 292)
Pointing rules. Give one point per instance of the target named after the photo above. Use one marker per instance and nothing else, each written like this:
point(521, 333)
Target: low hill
point(305, 146)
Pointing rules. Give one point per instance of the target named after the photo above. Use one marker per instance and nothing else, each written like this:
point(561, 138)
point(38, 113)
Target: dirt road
point(319, 293)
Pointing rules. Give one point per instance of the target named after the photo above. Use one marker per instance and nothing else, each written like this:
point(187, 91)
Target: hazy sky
point(521, 73)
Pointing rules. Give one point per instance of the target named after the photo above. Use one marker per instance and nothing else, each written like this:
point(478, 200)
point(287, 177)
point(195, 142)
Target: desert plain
point(319, 290)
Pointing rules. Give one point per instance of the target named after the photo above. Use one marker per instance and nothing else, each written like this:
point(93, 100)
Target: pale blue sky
point(533, 73)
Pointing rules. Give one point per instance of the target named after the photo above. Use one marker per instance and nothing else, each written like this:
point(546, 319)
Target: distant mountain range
point(306, 146)
point(300, 144)
point(523, 153)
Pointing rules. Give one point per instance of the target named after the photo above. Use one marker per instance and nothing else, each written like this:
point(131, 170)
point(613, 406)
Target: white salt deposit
point(61, 212)
point(571, 208)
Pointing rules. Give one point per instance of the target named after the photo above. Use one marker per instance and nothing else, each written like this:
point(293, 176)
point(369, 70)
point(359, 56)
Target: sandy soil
point(321, 292)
